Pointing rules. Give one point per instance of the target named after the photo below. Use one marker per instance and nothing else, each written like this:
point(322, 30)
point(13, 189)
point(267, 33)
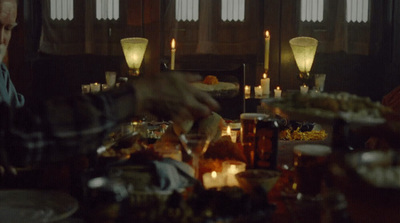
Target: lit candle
point(247, 90)
point(231, 168)
point(95, 87)
point(213, 179)
point(265, 84)
point(232, 134)
point(266, 57)
point(304, 89)
point(173, 50)
point(258, 90)
point(278, 92)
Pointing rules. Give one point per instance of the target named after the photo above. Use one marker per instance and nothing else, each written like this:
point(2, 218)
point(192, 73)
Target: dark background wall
point(41, 76)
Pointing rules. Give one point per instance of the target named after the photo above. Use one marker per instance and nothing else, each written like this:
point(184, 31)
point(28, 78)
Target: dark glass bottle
point(266, 144)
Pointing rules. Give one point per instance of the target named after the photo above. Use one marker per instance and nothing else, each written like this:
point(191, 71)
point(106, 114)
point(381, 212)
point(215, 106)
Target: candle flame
point(264, 75)
point(278, 88)
point(232, 169)
point(173, 43)
point(267, 34)
point(214, 174)
point(228, 130)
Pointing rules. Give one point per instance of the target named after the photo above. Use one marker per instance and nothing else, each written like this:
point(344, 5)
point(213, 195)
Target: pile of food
point(349, 107)
point(217, 88)
point(290, 134)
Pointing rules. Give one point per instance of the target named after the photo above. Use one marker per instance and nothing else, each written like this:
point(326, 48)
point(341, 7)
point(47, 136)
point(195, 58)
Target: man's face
point(8, 16)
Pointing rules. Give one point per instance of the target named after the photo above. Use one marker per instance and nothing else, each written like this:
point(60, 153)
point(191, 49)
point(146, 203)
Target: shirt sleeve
point(62, 128)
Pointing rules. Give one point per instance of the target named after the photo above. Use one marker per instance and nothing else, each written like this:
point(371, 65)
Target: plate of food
point(327, 107)
point(217, 88)
point(35, 206)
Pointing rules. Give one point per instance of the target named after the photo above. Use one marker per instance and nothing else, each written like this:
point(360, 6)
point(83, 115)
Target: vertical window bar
point(195, 10)
point(224, 5)
point(70, 9)
point(320, 11)
point(309, 10)
point(241, 9)
point(184, 11)
point(365, 10)
point(178, 10)
point(53, 9)
point(104, 9)
point(116, 9)
point(354, 10)
point(348, 10)
point(359, 10)
point(229, 11)
point(303, 10)
point(98, 9)
point(190, 10)
point(314, 7)
point(64, 9)
point(59, 10)
point(235, 10)
point(110, 9)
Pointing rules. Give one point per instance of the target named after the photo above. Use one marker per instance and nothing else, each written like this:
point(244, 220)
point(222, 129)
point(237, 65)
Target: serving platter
point(20, 206)
point(220, 90)
point(328, 108)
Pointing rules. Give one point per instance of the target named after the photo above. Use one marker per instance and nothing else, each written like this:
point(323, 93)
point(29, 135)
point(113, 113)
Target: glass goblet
point(195, 145)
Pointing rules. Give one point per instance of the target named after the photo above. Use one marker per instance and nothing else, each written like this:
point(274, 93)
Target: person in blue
point(8, 93)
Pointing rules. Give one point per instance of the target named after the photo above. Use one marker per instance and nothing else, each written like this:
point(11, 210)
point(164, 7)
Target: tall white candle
point(173, 50)
point(265, 83)
point(266, 56)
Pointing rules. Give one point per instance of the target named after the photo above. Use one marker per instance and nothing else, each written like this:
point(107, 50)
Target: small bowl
point(252, 179)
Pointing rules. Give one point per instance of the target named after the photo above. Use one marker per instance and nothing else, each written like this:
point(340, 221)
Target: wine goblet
point(195, 145)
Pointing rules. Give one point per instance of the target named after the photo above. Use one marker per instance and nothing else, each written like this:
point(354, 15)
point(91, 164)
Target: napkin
point(173, 175)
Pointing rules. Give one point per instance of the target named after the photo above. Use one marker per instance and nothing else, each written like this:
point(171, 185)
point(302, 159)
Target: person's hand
point(169, 95)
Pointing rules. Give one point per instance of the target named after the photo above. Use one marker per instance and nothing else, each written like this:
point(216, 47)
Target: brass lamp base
point(134, 72)
point(304, 77)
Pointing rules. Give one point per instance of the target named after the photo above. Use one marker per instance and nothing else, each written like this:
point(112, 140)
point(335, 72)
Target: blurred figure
point(54, 130)
point(8, 14)
point(386, 139)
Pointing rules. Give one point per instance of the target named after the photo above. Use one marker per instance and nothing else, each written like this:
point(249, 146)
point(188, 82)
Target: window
point(61, 9)
point(232, 10)
point(312, 10)
point(107, 9)
point(357, 11)
point(187, 10)
point(90, 26)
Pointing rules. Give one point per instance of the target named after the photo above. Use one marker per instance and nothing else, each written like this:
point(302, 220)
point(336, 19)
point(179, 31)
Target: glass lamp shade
point(304, 49)
point(134, 49)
